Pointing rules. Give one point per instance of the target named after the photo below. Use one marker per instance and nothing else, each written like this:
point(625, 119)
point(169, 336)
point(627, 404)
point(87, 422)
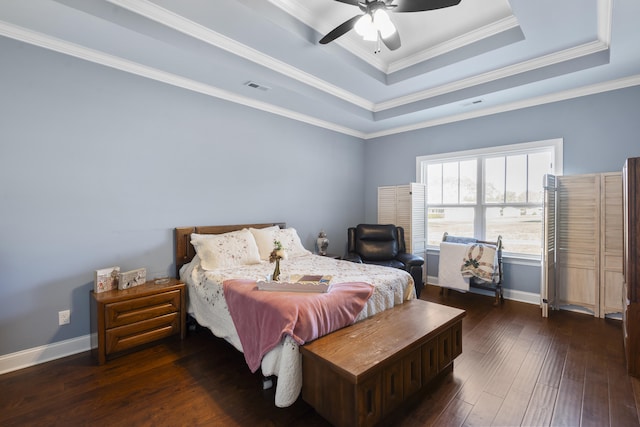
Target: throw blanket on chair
point(263, 318)
point(480, 261)
point(449, 275)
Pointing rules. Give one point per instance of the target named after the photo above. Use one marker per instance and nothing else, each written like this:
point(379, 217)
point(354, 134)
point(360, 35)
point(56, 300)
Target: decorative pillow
point(226, 250)
point(290, 242)
point(264, 240)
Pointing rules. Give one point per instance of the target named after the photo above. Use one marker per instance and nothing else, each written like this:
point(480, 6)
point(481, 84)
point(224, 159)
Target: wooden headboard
point(185, 250)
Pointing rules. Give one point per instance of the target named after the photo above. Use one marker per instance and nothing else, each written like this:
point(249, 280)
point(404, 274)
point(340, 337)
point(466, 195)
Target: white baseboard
point(513, 295)
point(45, 353)
point(33, 356)
point(510, 294)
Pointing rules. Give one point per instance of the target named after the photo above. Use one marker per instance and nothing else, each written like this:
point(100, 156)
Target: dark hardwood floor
point(516, 369)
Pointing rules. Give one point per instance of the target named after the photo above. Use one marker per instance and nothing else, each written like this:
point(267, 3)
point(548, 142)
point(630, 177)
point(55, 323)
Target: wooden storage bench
point(358, 375)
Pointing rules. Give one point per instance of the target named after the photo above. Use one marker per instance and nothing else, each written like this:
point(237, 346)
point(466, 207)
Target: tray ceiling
point(465, 61)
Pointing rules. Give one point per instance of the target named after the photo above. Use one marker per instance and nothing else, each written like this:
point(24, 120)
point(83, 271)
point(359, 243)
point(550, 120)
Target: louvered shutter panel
point(403, 212)
point(548, 287)
point(578, 244)
point(418, 222)
point(405, 206)
point(611, 252)
point(387, 205)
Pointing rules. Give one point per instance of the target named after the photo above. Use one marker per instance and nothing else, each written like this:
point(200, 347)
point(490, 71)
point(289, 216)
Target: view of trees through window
point(489, 194)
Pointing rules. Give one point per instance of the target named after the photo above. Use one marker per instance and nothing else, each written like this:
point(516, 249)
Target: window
point(490, 192)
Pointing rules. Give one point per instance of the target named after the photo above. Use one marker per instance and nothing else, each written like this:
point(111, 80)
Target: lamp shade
point(365, 28)
point(382, 23)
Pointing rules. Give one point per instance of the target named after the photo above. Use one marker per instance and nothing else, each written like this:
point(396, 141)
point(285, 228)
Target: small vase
point(276, 271)
point(322, 242)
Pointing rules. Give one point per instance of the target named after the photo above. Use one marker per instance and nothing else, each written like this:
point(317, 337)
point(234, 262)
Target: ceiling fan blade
point(353, 2)
point(392, 42)
point(422, 5)
point(340, 30)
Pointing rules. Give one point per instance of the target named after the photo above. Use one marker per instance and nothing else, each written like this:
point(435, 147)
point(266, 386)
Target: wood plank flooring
point(516, 369)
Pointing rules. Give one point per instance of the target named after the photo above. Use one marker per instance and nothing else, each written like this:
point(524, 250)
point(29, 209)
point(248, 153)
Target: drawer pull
point(369, 402)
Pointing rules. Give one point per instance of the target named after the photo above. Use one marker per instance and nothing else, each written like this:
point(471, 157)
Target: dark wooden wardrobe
point(631, 263)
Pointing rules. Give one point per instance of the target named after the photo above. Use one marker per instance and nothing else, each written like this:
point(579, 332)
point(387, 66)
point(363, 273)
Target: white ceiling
point(474, 59)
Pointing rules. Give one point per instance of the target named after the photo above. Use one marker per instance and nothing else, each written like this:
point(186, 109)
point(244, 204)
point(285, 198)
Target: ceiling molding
point(605, 17)
point(68, 48)
point(492, 29)
point(501, 73)
point(61, 46)
point(363, 51)
point(166, 17)
point(621, 83)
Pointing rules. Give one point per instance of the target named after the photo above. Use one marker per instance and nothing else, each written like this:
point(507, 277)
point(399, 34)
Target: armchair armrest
point(413, 265)
point(353, 257)
point(410, 260)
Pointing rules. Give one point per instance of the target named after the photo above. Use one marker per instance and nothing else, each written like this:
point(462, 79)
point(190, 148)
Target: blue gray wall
point(98, 166)
point(599, 133)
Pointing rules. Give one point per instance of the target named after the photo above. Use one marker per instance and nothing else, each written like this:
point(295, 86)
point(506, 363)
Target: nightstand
point(128, 318)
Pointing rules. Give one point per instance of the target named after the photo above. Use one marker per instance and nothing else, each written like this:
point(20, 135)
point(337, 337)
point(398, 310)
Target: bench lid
point(356, 350)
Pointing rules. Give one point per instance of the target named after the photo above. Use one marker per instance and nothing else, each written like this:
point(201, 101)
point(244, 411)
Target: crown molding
point(81, 52)
point(605, 17)
point(501, 73)
point(362, 51)
point(482, 33)
point(531, 102)
point(67, 48)
point(165, 17)
point(61, 46)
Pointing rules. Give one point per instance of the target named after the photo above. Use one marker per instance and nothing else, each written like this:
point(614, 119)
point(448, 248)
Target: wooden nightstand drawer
point(127, 318)
point(135, 310)
point(128, 336)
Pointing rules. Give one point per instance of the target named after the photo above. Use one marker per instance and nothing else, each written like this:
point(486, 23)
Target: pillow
point(264, 240)
point(226, 250)
point(290, 242)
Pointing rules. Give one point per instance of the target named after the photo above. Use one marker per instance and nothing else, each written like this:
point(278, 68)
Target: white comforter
point(207, 305)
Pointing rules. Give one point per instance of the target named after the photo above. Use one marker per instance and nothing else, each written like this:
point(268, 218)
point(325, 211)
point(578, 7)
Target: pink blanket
point(262, 318)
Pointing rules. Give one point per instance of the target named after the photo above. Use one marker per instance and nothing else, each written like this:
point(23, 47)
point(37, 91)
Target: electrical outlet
point(64, 317)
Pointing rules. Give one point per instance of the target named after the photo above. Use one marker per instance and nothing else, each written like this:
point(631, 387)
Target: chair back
point(376, 242)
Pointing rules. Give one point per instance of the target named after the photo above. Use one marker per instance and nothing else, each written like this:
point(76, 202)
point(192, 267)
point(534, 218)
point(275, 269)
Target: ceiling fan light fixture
point(376, 25)
point(382, 23)
point(365, 28)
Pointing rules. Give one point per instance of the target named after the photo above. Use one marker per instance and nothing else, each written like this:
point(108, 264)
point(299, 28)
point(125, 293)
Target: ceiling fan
point(375, 25)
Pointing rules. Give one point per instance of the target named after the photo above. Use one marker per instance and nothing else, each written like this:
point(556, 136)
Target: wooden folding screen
point(588, 245)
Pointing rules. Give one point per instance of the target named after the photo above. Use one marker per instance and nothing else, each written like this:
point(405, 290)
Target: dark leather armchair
point(383, 244)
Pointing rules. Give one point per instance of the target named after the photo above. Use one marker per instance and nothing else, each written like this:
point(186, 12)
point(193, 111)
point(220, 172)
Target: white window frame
point(504, 150)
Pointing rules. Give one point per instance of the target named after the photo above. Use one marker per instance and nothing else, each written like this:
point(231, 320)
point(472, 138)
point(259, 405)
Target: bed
point(207, 304)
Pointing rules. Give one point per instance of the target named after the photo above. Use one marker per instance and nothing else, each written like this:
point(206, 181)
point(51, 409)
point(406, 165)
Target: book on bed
point(299, 283)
